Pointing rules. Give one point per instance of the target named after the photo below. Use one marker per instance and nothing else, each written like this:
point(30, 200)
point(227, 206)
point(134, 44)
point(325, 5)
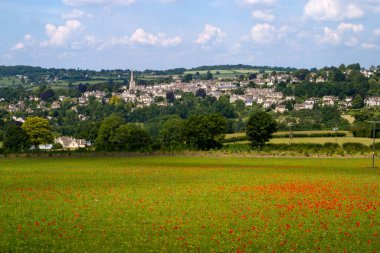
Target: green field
point(348, 133)
point(224, 73)
point(317, 140)
point(9, 81)
point(189, 204)
point(323, 140)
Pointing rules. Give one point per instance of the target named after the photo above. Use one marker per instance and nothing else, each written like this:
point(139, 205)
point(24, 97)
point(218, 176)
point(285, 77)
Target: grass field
point(348, 133)
point(323, 140)
point(317, 140)
point(9, 81)
point(182, 204)
point(225, 73)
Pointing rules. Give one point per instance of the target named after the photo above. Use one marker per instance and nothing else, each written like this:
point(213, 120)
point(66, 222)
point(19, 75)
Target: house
point(249, 102)
point(329, 100)
point(320, 79)
point(298, 107)
point(70, 142)
point(55, 105)
point(45, 146)
point(18, 119)
point(372, 101)
point(267, 104)
point(290, 98)
point(280, 109)
point(309, 104)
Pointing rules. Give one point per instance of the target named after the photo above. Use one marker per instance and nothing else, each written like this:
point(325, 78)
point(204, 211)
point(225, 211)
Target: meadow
point(189, 204)
point(225, 73)
point(314, 140)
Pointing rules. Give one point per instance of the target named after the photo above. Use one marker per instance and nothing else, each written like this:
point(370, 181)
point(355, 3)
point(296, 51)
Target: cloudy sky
point(161, 34)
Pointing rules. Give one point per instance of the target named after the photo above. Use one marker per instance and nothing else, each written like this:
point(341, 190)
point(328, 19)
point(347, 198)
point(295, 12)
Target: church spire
point(132, 83)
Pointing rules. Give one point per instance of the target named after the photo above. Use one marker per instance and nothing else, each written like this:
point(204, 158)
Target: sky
point(163, 34)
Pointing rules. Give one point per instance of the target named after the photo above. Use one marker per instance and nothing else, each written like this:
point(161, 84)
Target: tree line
point(198, 132)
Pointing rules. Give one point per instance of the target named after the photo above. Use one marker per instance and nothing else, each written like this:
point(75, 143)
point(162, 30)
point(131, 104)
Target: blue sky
point(162, 34)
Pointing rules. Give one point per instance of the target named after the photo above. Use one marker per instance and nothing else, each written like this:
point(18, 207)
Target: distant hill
point(241, 66)
point(33, 71)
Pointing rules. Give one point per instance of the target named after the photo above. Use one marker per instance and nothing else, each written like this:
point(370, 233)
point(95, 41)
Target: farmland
point(315, 140)
point(225, 73)
point(176, 204)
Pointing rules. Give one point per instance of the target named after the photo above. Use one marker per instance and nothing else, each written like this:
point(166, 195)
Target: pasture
point(189, 204)
point(225, 73)
point(314, 140)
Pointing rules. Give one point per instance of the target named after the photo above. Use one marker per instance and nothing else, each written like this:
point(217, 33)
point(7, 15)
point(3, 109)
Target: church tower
point(132, 83)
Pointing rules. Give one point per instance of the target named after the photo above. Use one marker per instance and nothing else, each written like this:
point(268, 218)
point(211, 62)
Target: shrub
point(354, 147)
point(57, 146)
point(296, 135)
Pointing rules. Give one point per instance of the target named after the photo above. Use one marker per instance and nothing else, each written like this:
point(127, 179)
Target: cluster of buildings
point(142, 96)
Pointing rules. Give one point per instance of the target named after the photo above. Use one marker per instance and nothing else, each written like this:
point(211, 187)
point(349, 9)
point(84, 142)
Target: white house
point(71, 143)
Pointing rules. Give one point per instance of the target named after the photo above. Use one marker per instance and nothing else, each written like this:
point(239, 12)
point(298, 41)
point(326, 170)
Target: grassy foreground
point(189, 204)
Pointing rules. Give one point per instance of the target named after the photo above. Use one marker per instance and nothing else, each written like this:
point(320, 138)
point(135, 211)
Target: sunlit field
point(189, 204)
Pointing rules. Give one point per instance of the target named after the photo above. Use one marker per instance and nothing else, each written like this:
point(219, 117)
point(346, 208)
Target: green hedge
point(308, 148)
point(355, 147)
point(295, 135)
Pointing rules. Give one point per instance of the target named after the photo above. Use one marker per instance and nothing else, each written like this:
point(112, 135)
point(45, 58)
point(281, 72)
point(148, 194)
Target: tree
point(205, 131)
point(224, 107)
point(47, 95)
point(15, 138)
point(116, 101)
point(187, 78)
point(170, 97)
point(200, 93)
point(260, 127)
point(252, 76)
point(358, 102)
point(209, 75)
point(38, 131)
point(171, 134)
point(131, 137)
point(107, 131)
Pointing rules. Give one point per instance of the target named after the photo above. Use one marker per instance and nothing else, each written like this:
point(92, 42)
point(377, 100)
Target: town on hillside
point(69, 98)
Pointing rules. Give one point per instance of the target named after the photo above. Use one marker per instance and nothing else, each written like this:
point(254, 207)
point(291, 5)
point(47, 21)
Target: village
point(264, 94)
point(261, 90)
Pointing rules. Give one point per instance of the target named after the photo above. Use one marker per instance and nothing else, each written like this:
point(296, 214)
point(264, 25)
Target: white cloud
point(335, 37)
point(347, 27)
point(329, 36)
point(28, 40)
point(265, 16)
point(266, 34)
point(140, 37)
point(352, 11)
point(253, 2)
point(18, 46)
point(330, 10)
point(210, 35)
point(97, 2)
point(352, 42)
point(368, 46)
point(91, 40)
point(58, 35)
point(376, 32)
point(75, 14)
